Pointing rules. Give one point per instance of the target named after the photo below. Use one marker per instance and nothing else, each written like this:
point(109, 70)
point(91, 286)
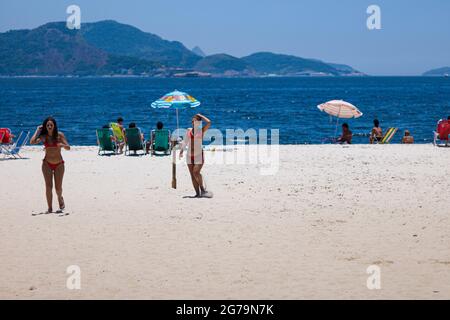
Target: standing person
point(346, 136)
point(53, 163)
point(195, 157)
point(377, 133)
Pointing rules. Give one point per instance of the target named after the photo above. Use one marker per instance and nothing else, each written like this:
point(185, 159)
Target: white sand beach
point(309, 231)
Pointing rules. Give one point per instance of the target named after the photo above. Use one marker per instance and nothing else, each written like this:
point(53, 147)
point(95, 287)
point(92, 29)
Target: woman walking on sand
point(195, 157)
point(53, 163)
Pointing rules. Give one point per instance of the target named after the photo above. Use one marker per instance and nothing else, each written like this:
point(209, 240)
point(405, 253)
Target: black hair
point(448, 118)
point(106, 126)
point(132, 125)
point(159, 125)
point(376, 123)
point(119, 119)
point(44, 131)
point(345, 125)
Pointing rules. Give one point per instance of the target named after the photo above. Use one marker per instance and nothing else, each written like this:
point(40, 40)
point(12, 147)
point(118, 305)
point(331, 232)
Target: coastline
point(309, 231)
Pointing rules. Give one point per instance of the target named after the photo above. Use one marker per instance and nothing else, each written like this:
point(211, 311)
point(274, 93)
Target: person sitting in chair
point(377, 133)
point(133, 125)
point(346, 136)
point(111, 133)
point(150, 144)
point(407, 138)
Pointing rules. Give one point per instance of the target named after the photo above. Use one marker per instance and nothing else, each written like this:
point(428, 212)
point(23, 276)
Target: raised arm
point(35, 138)
point(208, 122)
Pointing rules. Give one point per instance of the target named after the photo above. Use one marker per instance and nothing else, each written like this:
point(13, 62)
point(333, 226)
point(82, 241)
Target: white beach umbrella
point(340, 109)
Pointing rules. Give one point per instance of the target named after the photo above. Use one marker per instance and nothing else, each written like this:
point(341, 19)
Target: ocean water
point(80, 105)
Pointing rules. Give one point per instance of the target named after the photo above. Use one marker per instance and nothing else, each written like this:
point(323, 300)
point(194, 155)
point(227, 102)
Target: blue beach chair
point(14, 149)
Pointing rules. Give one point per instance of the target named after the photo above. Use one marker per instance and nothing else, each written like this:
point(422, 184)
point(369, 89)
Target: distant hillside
point(121, 39)
point(223, 64)
point(196, 50)
point(286, 65)
point(441, 72)
point(112, 48)
point(53, 49)
point(346, 70)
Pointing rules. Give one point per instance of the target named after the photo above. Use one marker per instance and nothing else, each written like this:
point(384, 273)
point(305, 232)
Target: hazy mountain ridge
point(111, 48)
point(440, 72)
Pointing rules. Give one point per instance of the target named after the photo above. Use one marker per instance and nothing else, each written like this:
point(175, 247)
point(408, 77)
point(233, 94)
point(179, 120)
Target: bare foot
point(206, 194)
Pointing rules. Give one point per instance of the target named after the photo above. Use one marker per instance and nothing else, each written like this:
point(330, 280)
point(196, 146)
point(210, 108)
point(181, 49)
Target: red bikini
point(52, 166)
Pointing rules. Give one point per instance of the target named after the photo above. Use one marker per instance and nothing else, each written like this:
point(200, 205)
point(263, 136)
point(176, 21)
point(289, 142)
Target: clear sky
point(414, 38)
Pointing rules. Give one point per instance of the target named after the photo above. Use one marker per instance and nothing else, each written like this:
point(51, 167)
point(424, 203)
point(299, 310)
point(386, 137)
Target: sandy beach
point(309, 231)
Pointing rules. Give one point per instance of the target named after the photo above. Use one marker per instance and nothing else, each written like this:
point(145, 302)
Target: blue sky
point(414, 37)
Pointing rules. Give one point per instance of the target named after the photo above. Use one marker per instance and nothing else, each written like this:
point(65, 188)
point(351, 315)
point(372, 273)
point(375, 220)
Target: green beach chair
point(389, 135)
point(105, 142)
point(160, 141)
point(133, 140)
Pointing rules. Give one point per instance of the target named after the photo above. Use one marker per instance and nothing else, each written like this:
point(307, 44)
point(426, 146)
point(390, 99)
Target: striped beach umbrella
point(341, 110)
point(176, 100)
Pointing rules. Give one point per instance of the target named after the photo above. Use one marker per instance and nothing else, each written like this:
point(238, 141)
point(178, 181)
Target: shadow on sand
point(58, 214)
point(9, 159)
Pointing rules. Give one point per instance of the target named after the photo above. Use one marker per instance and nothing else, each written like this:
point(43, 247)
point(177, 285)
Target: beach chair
point(133, 140)
point(442, 134)
point(14, 149)
point(388, 136)
point(160, 141)
point(105, 143)
point(2, 134)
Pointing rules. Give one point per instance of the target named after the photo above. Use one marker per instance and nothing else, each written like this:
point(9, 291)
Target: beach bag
point(6, 136)
point(443, 129)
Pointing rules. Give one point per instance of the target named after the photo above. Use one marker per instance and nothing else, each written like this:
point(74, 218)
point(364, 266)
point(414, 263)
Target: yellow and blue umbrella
point(176, 100)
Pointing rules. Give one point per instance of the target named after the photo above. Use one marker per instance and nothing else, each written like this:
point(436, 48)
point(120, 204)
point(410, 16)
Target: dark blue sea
point(80, 105)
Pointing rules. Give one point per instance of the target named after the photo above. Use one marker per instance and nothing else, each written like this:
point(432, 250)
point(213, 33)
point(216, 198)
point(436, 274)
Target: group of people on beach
point(53, 166)
point(120, 142)
point(376, 134)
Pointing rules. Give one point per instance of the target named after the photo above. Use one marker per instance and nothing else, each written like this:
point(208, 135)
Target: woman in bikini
point(195, 157)
point(53, 163)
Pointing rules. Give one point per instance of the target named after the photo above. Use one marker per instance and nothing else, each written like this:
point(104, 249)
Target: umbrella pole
point(335, 130)
point(177, 120)
point(337, 122)
point(174, 160)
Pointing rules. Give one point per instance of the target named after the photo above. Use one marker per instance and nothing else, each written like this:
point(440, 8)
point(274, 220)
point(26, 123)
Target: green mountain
point(125, 40)
point(224, 64)
point(287, 65)
point(441, 72)
point(111, 48)
point(53, 49)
